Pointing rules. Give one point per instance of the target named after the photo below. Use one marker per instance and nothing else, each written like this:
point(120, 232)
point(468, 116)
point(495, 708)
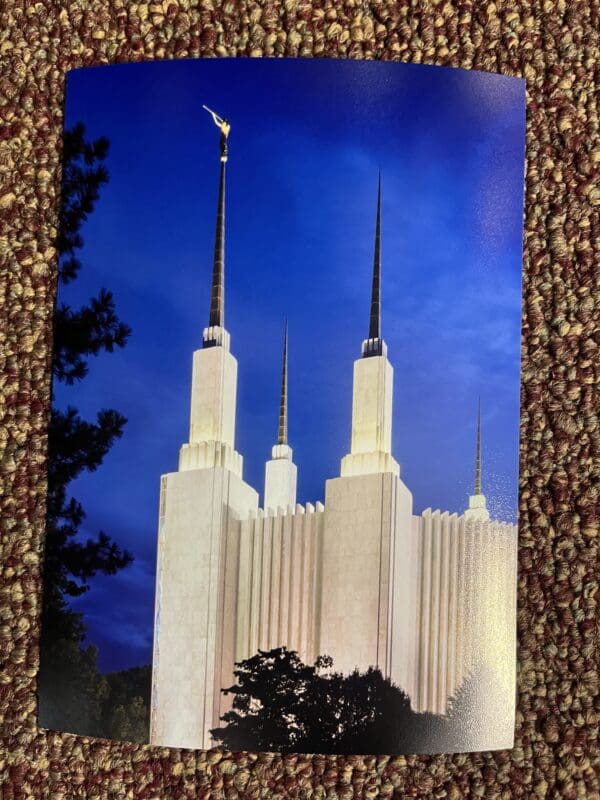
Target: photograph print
point(283, 448)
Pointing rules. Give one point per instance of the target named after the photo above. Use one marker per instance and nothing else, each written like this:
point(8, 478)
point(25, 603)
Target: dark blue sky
point(308, 138)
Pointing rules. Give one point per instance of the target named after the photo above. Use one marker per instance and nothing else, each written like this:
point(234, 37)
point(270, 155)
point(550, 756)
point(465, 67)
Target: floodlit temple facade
point(424, 597)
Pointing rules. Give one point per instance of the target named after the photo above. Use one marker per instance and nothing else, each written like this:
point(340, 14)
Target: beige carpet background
point(555, 47)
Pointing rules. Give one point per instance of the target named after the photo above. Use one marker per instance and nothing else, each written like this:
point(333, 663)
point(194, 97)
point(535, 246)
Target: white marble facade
point(361, 578)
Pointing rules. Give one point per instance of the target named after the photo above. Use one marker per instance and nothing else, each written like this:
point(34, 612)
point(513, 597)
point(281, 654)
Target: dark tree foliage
point(72, 692)
point(94, 327)
point(126, 712)
point(84, 172)
point(281, 704)
point(79, 699)
point(75, 446)
point(273, 695)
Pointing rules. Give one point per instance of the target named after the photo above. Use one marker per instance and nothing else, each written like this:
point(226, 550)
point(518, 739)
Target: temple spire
point(217, 292)
point(375, 319)
point(372, 389)
point(283, 415)
point(373, 345)
point(281, 474)
point(477, 509)
point(216, 318)
point(478, 451)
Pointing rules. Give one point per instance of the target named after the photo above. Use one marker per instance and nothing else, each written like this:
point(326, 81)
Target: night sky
point(307, 141)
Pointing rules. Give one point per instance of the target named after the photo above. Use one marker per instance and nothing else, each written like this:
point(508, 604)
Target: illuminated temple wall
point(426, 599)
point(278, 581)
point(450, 609)
point(465, 612)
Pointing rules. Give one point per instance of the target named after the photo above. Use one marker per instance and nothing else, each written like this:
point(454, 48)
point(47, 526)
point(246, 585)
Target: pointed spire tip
point(375, 318)
point(478, 450)
point(283, 401)
point(216, 317)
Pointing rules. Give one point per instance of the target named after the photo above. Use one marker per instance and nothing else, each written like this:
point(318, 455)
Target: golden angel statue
point(224, 127)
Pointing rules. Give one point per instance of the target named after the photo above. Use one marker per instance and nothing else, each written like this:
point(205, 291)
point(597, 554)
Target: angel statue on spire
point(224, 127)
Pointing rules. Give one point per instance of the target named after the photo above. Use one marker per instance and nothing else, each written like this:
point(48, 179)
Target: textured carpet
point(554, 46)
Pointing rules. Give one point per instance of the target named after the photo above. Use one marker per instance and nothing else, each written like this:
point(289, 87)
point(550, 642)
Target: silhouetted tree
point(75, 445)
point(282, 704)
point(267, 709)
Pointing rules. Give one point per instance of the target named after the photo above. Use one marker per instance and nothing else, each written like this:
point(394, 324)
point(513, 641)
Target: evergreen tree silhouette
point(75, 446)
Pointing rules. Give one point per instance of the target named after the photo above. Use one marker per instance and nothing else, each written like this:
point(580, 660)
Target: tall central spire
point(375, 319)
point(217, 293)
point(372, 390)
point(283, 420)
point(216, 317)
point(373, 346)
point(478, 452)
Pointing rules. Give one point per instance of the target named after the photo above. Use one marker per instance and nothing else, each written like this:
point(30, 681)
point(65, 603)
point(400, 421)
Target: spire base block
point(281, 479)
point(477, 509)
point(207, 455)
point(373, 347)
point(216, 336)
point(281, 451)
point(369, 464)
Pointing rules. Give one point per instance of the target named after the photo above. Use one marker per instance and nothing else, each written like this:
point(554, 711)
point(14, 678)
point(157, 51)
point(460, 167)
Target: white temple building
point(424, 597)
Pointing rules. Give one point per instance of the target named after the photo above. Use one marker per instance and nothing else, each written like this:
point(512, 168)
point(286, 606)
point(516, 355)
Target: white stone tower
point(194, 629)
point(368, 512)
point(281, 474)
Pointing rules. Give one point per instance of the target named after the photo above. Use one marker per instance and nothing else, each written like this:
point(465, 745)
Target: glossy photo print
point(283, 449)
